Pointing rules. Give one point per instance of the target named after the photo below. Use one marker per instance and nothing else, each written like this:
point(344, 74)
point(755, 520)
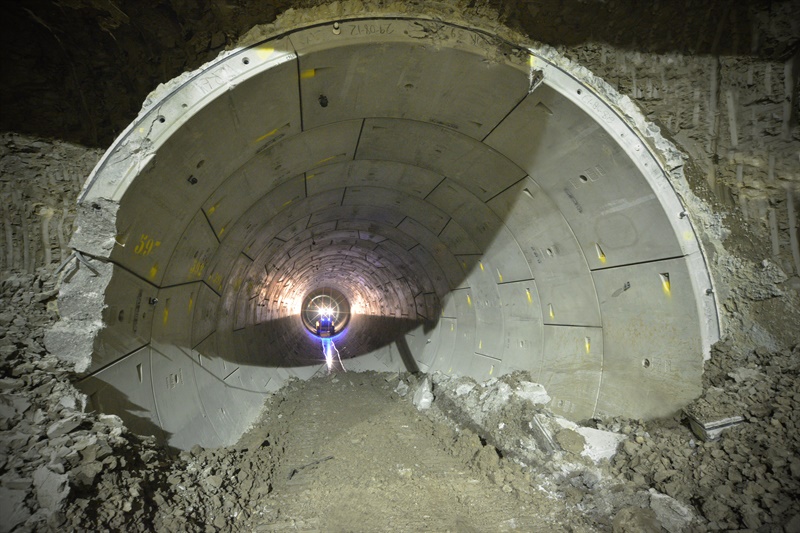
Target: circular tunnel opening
point(481, 207)
point(326, 312)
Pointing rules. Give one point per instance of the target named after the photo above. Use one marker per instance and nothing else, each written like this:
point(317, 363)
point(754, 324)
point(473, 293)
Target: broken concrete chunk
point(401, 389)
point(64, 426)
point(542, 433)
point(464, 388)
point(744, 374)
point(215, 482)
point(533, 392)
point(674, 516)
point(716, 411)
point(635, 520)
point(423, 396)
point(86, 473)
point(600, 444)
point(51, 488)
point(10, 383)
point(12, 508)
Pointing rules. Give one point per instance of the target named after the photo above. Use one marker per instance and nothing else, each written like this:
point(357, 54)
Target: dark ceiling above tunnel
point(78, 70)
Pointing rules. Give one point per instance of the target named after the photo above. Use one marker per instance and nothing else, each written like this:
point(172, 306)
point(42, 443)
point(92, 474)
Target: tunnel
point(482, 206)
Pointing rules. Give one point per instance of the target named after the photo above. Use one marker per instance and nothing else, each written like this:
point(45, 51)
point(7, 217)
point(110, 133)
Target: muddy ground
point(352, 452)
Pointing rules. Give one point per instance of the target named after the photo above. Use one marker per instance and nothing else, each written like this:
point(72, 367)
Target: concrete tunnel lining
point(485, 207)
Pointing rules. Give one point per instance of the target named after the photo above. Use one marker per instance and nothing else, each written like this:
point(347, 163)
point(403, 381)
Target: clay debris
point(64, 468)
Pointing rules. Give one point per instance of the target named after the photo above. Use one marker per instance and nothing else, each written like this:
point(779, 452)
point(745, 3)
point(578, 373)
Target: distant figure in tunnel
point(325, 325)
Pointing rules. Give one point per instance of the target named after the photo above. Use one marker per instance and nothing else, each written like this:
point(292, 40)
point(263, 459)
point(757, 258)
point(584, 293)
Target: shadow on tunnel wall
point(286, 343)
point(105, 398)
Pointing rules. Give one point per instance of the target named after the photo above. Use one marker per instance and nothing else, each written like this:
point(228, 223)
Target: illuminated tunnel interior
point(480, 208)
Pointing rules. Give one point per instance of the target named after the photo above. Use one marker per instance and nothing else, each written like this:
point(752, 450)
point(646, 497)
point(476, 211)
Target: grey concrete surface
point(485, 208)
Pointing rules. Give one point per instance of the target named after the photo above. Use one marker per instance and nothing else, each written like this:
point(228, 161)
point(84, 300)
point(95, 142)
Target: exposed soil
point(351, 452)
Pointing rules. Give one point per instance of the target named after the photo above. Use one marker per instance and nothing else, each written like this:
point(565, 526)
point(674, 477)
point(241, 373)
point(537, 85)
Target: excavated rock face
point(79, 69)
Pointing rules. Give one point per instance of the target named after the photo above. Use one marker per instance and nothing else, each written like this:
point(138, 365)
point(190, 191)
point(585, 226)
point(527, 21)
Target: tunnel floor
point(355, 467)
point(356, 457)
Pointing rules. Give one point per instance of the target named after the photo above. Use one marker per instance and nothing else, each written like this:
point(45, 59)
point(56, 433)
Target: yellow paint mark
point(191, 303)
point(480, 345)
point(499, 276)
point(221, 231)
point(551, 312)
point(469, 300)
point(481, 264)
point(213, 208)
point(688, 235)
point(154, 271)
point(146, 245)
point(452, 327)
point(166, 312)
point(309, 176)
point(530, 298)
point(600, 254)
point(491, 370)
point(325, 160)
point(531, 60)
point(450, 371)
point(306, 74)
point(141, 130)
point(287, 203)
point(263, 52)
point(197, 268)
point(588, 344)
point(270, 134)
point(666, 286)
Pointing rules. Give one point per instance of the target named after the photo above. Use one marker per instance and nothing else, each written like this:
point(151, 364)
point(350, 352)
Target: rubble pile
point(64, 468)
point(527, 447)
point(749, 476)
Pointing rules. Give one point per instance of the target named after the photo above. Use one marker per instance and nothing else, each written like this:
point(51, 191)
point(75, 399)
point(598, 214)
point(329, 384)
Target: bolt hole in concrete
point(407, 205)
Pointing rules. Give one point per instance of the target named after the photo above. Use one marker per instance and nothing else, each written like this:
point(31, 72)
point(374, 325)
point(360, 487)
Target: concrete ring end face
point(483, 211)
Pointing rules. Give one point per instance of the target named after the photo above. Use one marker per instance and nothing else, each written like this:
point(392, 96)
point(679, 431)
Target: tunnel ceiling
point(480, 205)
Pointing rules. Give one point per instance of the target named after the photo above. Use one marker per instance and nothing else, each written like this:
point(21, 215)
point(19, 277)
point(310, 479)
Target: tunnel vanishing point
point(484, 206)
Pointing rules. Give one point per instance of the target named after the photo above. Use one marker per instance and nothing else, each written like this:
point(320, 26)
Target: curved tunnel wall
point(482, 209)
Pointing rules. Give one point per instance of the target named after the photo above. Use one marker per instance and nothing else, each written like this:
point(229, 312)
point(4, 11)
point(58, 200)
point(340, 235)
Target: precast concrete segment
point(482, 206)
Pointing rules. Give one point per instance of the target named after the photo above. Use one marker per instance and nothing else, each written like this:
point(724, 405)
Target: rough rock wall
point(39, 185)
point(79, 69)
point(736, 120)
